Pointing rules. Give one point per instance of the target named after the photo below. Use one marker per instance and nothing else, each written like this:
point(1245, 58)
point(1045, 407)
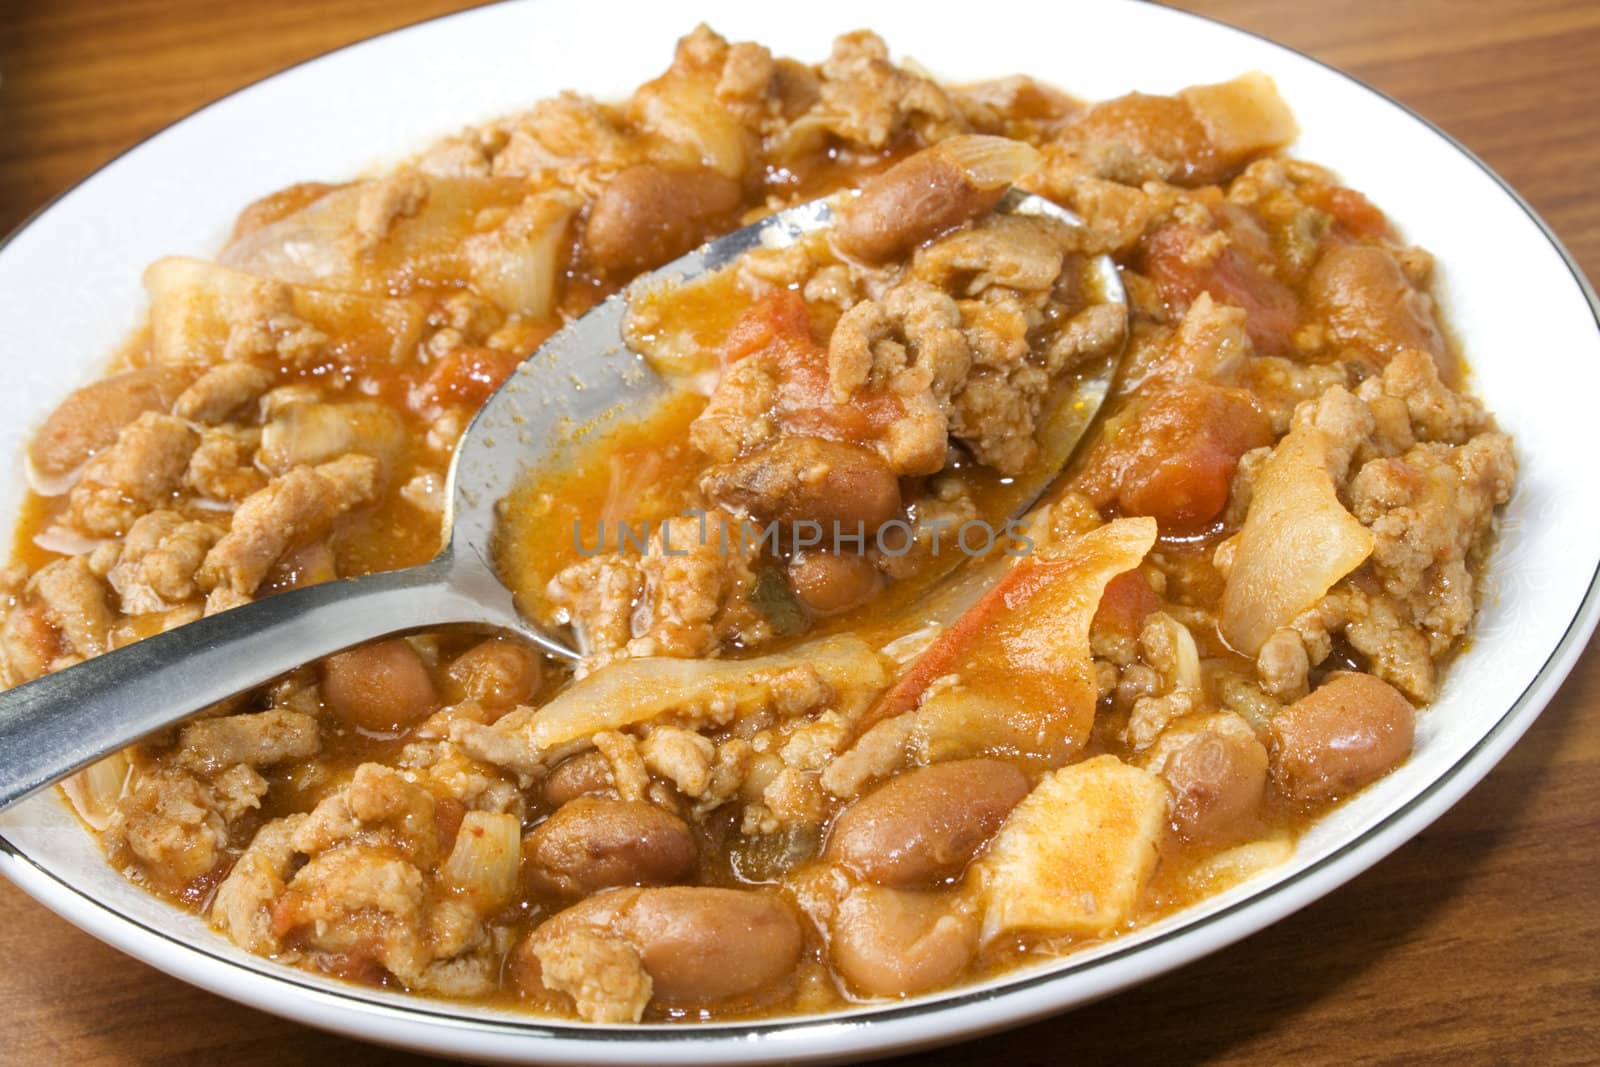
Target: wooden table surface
point(1478, 942)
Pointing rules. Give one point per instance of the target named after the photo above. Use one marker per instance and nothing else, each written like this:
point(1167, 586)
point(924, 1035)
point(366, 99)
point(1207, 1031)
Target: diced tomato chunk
point(1174, 454)
point(1125, 604)
point(1271, 308)
point(777, 325)
point(468, 375)
point(1353, 211)
point(285, 914)
point(777, 328)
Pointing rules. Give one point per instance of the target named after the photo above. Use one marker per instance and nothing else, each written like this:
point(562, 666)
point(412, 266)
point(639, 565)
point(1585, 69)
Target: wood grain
point(1475, 943)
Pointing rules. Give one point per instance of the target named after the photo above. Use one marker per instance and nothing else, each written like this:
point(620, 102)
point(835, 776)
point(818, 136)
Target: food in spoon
point(788, 775)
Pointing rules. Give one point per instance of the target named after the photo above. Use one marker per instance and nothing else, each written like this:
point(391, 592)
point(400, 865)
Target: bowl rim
point(1274, 899)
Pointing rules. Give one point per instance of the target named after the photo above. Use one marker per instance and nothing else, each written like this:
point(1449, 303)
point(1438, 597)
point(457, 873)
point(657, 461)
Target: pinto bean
point(497, 673)
point(796, 479)
point(894, 942)
point(928, 193)
point(923, 827)
point(831, 583)
point(1368, 302)
point(594, 843)
point(1156, 127)
point(649, 214)
point(699, 944)
point(90, 418)
point(1217, 770)
point(382, 686)
point(577, 776)
point(1349, 731)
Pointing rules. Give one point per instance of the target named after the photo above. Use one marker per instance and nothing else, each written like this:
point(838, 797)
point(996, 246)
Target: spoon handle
point(65, 721)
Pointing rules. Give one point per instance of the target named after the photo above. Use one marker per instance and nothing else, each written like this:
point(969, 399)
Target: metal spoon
point(581, 376)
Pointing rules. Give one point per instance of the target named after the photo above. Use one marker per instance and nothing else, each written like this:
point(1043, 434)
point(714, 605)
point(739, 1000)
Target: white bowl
point(69, 292)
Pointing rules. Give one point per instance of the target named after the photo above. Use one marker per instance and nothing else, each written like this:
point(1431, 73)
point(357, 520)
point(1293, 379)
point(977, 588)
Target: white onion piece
point(631, 691)
point(518, 264)
point(50, 484)
point(1297, 541)
point(66, 541)
point(319, 245)
point(95, 790)
point(1243, 116)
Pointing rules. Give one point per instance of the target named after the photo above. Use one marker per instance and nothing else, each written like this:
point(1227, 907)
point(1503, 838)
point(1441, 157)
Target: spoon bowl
point(583, 377)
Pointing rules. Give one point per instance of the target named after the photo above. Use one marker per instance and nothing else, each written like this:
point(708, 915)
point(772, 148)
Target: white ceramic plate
point(69, 291)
